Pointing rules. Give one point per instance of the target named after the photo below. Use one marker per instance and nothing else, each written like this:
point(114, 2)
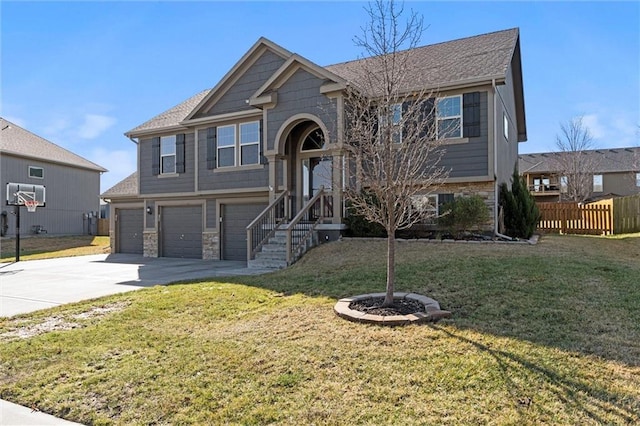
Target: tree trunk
point(391, 269)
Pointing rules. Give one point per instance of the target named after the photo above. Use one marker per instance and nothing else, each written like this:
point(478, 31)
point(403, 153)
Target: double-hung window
point(449, 115)
point(597, 183)
point(168, 154)
point(250, 143)
point(227, 146)
point(238, 144)
point(391, 120)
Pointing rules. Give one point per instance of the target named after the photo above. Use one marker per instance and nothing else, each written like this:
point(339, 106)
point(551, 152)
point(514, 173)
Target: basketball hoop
point(31, 205)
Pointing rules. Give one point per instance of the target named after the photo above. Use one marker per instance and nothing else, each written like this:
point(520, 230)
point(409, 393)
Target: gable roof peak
point(21, 142)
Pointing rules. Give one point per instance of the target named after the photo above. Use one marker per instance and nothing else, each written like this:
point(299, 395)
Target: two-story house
point(71, 182)
point(270, 133)
point(612, 172)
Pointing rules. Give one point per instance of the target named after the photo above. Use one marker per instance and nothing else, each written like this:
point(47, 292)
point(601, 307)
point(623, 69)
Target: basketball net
point(31, 205)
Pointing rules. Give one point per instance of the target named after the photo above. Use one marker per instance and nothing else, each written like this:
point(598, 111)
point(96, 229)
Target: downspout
point(495, 160)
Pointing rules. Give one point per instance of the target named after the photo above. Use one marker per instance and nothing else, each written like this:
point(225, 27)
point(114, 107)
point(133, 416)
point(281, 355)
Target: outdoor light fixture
point(149, 210)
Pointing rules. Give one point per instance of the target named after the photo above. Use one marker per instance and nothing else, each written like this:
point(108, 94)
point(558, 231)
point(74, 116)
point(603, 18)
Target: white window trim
point(601, 185)
point(396, 126)
point(638, 179)
point(237, 146)
point(234, 146)
point(449, 117)
point(240, 144)
point(505, 126)
point(174, 155)
point(36, 168)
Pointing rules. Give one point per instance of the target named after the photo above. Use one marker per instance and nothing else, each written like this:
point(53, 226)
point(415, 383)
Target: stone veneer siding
point(150, 244)
point(112, 241)
point(483, 189)
point(210, 246)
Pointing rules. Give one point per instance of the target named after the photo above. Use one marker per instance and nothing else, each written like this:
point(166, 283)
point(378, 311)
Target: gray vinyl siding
point(229, 178)
point(246, 86)
point(471, 158)
point(210, 214)
point(623, 183)
point(507, 151)
point(70, 193)
point(157, 184)
point(301, 94)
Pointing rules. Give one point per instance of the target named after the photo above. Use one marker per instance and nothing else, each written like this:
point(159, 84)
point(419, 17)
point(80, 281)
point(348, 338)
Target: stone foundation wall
point(150, 244)
point(210, 246)
point(483, 189)
point(112, 241)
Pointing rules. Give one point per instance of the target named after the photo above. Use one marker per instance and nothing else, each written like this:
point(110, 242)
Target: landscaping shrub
point(464, 214)
point(361, 227)
point(521, 215)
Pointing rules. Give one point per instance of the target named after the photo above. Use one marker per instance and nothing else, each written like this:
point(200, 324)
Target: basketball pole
point(17, 209)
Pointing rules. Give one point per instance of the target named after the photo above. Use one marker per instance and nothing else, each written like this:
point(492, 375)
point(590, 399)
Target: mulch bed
point(399, 307)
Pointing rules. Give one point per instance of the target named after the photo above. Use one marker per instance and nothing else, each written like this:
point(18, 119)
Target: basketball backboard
point(20, 194)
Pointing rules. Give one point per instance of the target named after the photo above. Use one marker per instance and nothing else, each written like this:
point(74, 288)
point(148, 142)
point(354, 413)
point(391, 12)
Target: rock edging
point(432, 307)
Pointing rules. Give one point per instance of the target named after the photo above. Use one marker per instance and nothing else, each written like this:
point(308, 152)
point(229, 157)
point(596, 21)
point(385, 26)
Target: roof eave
point(96, 167)
point(155, 131)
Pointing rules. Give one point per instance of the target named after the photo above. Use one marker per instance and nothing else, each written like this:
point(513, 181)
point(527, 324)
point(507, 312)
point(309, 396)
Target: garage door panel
point(236, 218)
point(130, 225)
point(181, 229)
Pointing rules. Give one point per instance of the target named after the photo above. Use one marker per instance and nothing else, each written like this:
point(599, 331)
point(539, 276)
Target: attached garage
point(235, 218)
point(181, 232)
point(129, 230)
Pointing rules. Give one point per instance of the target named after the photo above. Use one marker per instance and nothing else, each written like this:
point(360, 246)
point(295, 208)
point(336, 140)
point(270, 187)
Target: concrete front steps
point(273, 254)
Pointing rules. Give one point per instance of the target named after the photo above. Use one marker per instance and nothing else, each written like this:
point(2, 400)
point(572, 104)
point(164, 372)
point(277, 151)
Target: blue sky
point(80, 74)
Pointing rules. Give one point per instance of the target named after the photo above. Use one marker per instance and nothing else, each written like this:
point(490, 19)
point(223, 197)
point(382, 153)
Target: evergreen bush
point(521, 215)
point(464, 214)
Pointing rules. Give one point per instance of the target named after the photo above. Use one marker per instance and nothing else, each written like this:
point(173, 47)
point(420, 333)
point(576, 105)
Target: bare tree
point(391, 146)
point(575, 166)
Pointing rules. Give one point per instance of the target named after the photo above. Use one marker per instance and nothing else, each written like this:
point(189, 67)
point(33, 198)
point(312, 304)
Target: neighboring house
point(270, 131)
point(616, 173)
point(72, 184)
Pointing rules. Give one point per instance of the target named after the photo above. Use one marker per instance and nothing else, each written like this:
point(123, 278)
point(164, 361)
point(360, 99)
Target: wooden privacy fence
point(626, 214)
point(572, 218)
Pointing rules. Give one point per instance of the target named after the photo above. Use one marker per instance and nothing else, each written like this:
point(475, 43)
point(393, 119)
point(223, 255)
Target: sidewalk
point(12, 414)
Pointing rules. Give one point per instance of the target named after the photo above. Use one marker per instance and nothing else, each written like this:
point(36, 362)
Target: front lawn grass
point(46, 247)
point(544, 334)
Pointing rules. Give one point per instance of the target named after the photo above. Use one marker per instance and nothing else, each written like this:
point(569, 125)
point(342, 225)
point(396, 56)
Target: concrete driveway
point(31, 285)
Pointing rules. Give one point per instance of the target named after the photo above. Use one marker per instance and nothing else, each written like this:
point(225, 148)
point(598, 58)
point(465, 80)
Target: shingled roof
point(14, 140)
point(613, 160)
point(437, 66)
point(127, 187)
point(171, 117)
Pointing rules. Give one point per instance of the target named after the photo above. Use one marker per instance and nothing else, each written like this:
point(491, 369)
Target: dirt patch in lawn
point(21, 329)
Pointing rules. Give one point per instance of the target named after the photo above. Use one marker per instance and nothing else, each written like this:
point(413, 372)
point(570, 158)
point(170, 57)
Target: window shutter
point(211, 148)
point(427, 118)
point(262, 158)
point(155, 156)
point(180, 153)
point(405, 124)
point(444, 199)
point(471, 115)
